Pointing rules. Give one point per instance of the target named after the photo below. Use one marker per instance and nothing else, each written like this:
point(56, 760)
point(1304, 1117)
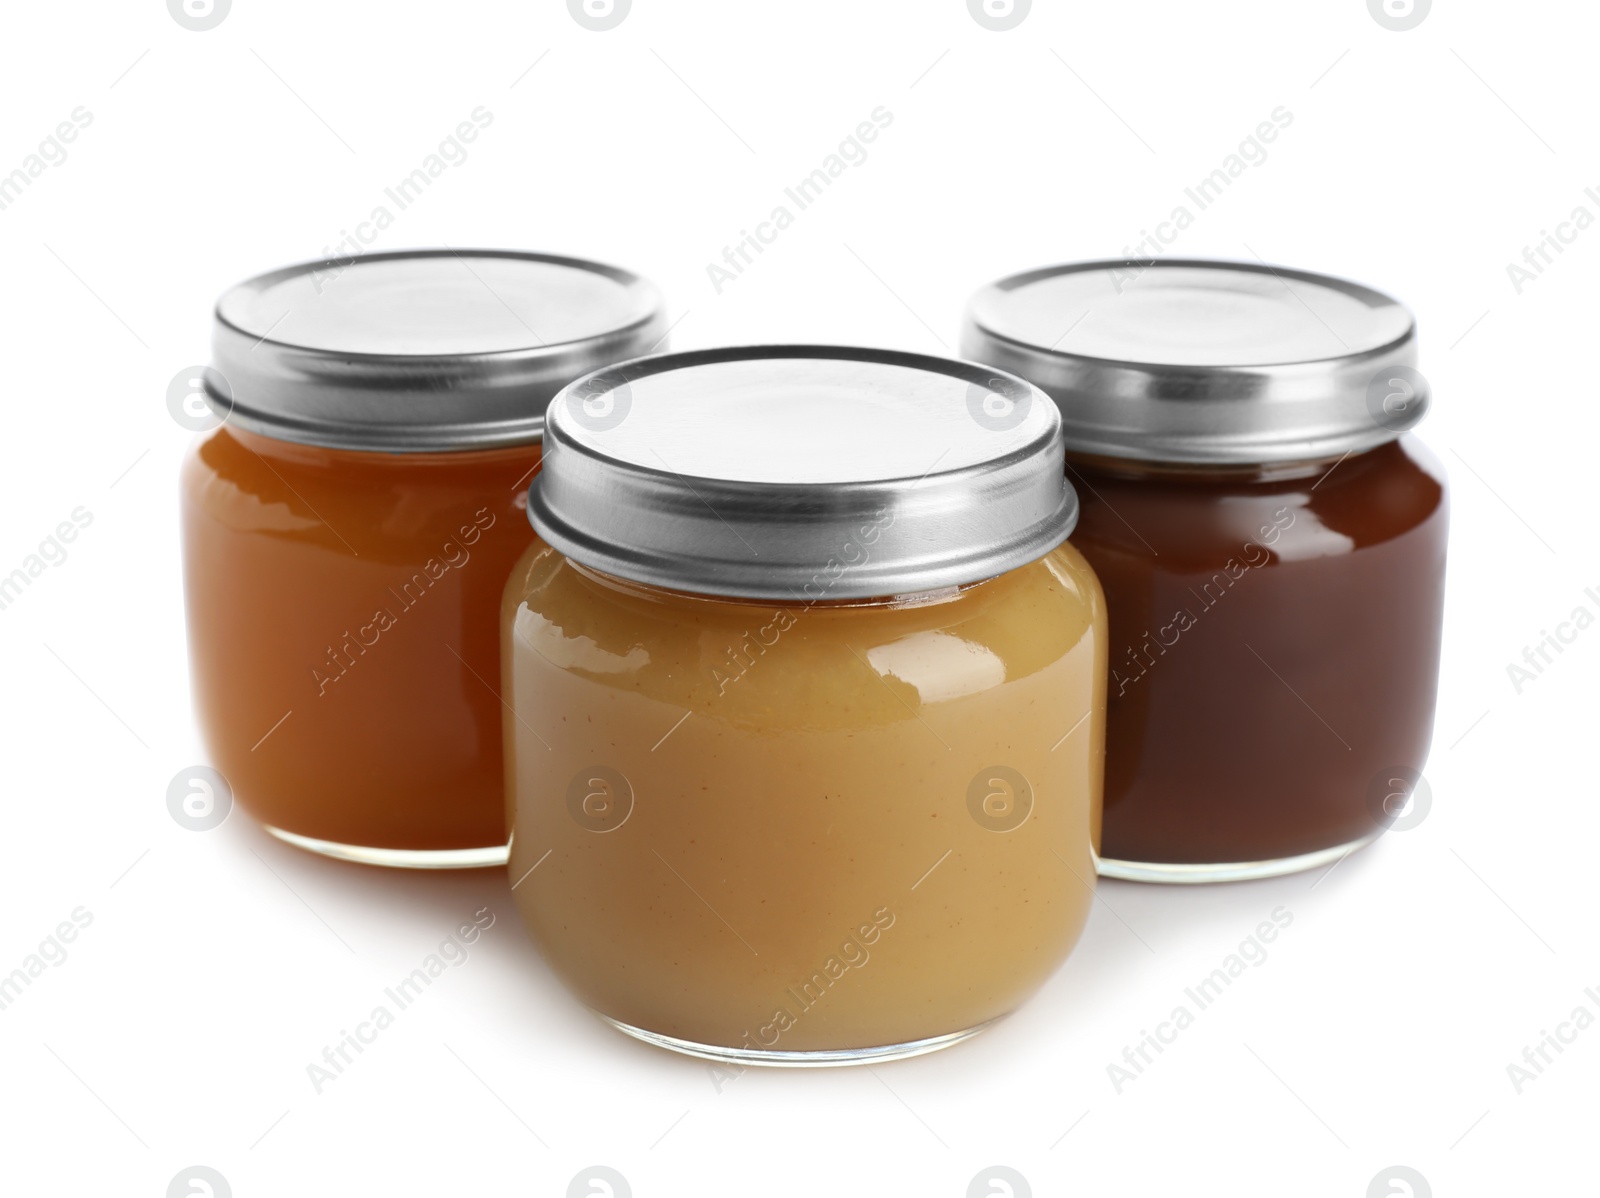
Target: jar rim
point(1190, 360)
point(794, 472)
point(420, 350)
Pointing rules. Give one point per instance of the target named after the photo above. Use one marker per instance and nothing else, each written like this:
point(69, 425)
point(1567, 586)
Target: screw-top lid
point(421, 350)
point(802, 473)
point(1211, 362)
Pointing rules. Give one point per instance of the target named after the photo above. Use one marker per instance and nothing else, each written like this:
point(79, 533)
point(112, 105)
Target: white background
point(219, 964)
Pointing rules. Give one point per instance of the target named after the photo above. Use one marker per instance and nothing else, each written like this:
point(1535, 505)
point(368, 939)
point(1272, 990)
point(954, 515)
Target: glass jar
point(1271, 544)
point(806, 698)
point(348, 526)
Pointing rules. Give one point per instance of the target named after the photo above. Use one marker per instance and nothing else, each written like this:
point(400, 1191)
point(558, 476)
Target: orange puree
point(343, 638)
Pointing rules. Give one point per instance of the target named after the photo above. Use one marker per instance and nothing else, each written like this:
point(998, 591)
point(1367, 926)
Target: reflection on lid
point(939, 666)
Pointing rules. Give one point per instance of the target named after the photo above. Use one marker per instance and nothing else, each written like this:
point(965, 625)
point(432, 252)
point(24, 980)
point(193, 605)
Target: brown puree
point(1274, 647)
point(343, 636)
point(752, 826)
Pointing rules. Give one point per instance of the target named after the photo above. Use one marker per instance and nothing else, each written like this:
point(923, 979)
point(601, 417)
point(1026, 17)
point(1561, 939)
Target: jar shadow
point(375, 910)
point(1137, 934)
point(1142, 937)
point(435, 901)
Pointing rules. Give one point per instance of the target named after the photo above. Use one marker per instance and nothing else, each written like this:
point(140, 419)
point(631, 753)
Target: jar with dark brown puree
point(1274, 638)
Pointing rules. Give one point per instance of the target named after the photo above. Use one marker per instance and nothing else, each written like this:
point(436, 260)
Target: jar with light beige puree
point(806, 698)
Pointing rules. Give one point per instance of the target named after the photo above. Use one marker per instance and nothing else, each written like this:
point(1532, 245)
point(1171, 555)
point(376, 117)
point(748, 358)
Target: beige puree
point(791, 828)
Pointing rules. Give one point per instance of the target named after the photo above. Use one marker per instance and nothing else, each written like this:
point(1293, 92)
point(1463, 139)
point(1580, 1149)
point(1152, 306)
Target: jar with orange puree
point(806, 700)
point(348, 527)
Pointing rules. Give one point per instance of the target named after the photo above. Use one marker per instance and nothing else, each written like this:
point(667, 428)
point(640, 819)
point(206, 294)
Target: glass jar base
point(1238, 871)
point(397, 858)
point(818, 1058)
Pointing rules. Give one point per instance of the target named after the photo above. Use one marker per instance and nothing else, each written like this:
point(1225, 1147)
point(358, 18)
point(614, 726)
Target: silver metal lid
point(421, 350)
point(1181, 360)
point(802, 473)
